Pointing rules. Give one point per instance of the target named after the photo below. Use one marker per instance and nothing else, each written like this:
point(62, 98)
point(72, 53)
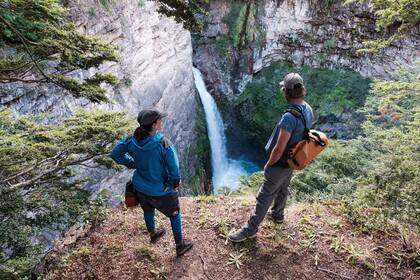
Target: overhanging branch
point(51, 171)
point(24, 42)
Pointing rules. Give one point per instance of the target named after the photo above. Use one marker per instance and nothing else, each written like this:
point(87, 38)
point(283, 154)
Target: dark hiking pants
point(274, 188)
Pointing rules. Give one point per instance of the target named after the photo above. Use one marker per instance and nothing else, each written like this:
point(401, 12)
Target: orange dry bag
point(131, 199)
point(312, 144)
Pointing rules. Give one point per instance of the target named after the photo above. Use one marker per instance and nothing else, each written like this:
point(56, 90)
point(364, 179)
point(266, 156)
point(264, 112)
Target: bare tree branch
point(54, 170)
point(11, 80)
point(36, 165)
point(334, 273)
point(86, 165)
point(58, 157)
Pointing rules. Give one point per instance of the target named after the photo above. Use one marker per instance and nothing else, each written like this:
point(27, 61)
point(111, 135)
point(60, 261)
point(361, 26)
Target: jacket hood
point(149, 143)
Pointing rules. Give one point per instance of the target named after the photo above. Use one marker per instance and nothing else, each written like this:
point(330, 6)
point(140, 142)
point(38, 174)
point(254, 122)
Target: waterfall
point(215, 130)
point(226, 172)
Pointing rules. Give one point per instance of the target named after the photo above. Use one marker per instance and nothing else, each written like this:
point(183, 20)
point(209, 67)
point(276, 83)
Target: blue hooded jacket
point(157, 167)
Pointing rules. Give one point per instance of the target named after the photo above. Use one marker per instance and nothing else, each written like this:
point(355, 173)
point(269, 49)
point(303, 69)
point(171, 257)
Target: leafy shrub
point(250, 184)
point(389, 195)
point(332, 175)
point(335, 172)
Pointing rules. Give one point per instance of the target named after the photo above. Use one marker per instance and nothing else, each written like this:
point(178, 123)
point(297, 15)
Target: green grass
point(159, 272)
point(144, 252)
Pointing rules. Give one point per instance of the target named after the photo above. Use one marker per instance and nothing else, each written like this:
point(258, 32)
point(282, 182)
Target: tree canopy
point(42, 45)
point(38, 186)
point(184, 12)
point(398, 17)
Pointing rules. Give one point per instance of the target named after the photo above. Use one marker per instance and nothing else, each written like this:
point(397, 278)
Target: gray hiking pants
point(275, 187)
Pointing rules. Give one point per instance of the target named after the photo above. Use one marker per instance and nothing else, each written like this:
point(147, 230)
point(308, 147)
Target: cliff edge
point(315, 242)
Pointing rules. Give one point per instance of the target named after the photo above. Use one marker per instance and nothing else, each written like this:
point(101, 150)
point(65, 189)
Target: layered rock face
point(303, 32)
point(155, 70)
point(317, 35)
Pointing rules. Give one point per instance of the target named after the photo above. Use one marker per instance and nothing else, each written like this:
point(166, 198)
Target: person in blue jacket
point(156, 178)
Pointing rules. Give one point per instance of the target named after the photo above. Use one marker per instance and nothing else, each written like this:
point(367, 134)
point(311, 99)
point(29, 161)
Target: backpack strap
point(294, 112)
point(166, 143)
point(297, 113)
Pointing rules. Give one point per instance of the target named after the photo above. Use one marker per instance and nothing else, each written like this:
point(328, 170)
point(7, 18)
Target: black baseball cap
point(149, 116)
point(291, 80)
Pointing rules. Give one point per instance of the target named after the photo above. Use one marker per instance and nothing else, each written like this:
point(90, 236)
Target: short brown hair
point(298, 91)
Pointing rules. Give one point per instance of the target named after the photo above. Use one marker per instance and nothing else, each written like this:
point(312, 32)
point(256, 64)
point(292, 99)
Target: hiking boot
point(183, 247)
point(157, 234)
point(241, 235)
point(276, 219)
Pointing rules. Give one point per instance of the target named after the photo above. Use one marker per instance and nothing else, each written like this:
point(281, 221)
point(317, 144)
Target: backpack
point(311, 145)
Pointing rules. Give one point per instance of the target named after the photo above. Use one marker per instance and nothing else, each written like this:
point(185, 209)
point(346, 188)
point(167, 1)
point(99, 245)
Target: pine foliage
point(389, 193)
point(32, 153)
point(38, 186)
point(184, 12)
point(49, 48)
point(398, 17)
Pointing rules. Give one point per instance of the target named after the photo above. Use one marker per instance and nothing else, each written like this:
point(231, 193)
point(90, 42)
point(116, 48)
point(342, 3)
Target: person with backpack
point(156, 178)
point(292, 128)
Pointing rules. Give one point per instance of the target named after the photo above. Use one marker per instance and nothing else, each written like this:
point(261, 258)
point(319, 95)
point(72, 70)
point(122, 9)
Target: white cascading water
point(226, 173)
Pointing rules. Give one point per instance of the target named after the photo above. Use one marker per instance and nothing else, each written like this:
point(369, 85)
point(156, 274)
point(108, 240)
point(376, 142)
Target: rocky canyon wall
point(310, 33)
point(241, 38)
point(154, 70)
point(303, 32)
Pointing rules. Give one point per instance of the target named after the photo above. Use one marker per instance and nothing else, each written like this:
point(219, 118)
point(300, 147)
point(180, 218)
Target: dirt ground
point(315, 242)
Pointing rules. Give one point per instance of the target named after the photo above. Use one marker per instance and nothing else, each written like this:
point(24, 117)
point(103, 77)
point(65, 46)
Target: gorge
point(234, 66)
point(156, 58)
point(226, 171)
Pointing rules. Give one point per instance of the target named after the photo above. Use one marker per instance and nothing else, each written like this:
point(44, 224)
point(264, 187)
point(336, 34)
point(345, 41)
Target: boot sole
point(183, 251)
point(242, 240)
point(156, 239)
point(275, 220)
